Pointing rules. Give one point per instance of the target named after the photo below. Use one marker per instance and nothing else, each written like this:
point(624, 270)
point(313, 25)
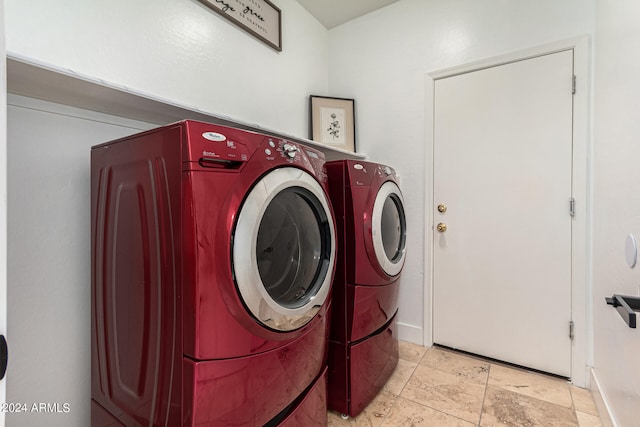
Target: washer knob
point(290, 150)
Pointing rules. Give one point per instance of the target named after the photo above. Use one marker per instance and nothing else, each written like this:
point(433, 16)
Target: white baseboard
point(410, 333)
point(601, 402)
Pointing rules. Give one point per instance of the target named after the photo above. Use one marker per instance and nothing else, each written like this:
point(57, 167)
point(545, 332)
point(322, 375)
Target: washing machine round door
point(284, 249)
point(389, 228)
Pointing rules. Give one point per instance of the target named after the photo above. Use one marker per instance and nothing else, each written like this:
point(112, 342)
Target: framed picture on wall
point(260, 18)
point(332, 121)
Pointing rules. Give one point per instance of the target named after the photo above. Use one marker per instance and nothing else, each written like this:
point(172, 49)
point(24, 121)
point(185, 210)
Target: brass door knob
point(442, 208)
point(442, 227)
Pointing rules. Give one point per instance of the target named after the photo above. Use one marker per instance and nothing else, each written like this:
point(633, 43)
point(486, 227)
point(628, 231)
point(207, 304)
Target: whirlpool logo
point(214, 136)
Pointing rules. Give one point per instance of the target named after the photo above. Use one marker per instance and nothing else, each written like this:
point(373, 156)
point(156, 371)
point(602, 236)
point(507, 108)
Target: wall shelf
point(28, 78)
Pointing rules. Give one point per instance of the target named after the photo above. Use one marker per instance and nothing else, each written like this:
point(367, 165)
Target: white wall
point(49, 264)
point(182, 51)
point(381, 60)
point(616, 202)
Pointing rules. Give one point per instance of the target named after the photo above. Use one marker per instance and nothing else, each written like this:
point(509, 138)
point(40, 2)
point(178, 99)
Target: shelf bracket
point(626, 307)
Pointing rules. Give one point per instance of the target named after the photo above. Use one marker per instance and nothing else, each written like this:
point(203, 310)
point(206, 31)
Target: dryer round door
point(389, 228)
point(284, 249)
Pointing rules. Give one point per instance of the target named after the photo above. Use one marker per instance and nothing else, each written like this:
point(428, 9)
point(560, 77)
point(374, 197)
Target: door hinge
point(571, 334)
point(573, 84)
point(572, 207)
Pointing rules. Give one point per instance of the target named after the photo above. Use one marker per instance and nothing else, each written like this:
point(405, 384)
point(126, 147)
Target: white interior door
point(502, 168)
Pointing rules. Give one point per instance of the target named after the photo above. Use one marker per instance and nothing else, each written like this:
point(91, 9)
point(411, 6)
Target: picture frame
point(260, 18)
point(332, 121)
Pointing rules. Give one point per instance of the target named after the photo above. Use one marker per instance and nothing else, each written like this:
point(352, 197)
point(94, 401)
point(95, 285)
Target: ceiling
point(332, 13)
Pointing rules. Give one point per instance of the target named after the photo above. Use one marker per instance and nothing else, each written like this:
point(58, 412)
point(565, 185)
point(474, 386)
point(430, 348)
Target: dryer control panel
point(363, 173)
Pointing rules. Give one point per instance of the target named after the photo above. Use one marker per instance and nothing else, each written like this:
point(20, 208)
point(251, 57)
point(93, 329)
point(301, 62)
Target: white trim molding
point(604, 410)
point(410, 333)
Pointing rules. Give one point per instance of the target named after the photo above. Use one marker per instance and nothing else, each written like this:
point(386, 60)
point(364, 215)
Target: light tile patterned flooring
point(438, 387)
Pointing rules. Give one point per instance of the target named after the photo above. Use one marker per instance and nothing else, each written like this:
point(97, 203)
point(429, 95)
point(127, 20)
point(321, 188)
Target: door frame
point(581, 248)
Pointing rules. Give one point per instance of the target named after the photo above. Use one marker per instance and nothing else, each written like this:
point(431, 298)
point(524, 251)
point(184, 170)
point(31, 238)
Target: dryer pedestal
point(359, 370)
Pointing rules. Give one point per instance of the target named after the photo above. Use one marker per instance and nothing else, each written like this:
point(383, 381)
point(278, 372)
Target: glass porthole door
point(389, 228)
point(284, 249)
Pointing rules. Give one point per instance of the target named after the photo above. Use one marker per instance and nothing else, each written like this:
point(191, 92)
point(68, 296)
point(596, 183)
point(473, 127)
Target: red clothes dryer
point(371, 229)
point(213, 255)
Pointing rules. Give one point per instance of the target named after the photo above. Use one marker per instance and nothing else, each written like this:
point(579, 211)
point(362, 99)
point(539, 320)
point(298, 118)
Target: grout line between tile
point(573, 405)
point(484, 397)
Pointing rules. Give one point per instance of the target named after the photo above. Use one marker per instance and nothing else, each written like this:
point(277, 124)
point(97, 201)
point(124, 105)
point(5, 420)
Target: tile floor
point(438, 387)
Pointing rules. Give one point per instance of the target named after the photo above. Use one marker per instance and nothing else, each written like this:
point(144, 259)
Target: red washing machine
point(213, 252)
point(371, 228)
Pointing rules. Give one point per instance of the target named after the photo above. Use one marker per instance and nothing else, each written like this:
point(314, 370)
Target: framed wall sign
point(260, 18)
point(332, 121)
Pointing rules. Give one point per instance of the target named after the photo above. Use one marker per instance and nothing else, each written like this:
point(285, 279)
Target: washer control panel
point(280, 147)
point(289, 150)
